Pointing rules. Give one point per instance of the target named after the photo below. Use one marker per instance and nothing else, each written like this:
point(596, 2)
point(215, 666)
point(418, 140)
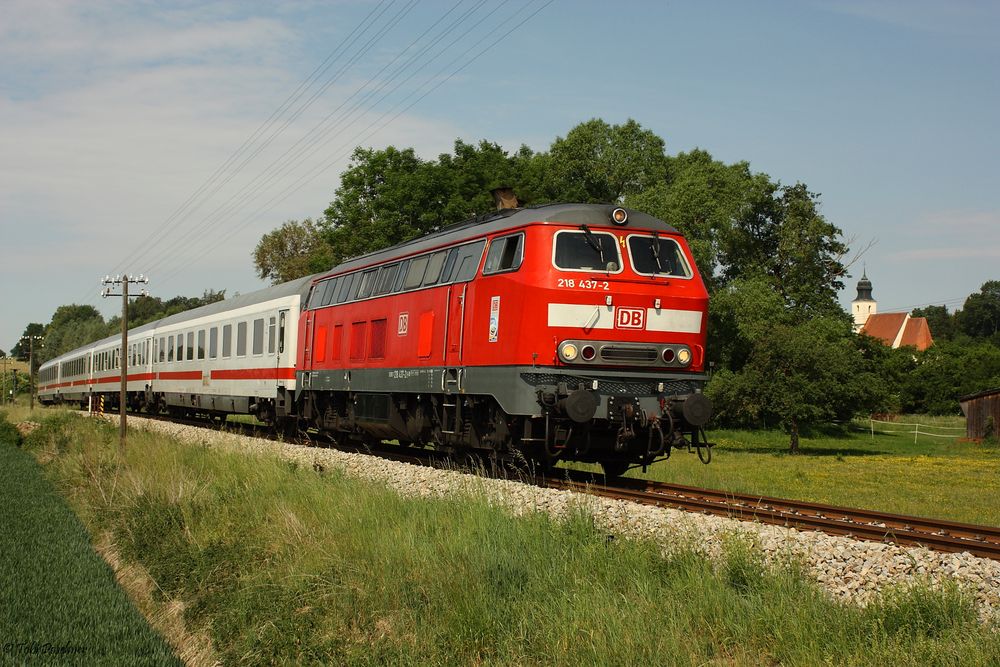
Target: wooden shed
point(982, 414)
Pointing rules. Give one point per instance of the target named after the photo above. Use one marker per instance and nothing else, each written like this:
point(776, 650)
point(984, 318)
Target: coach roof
point(592, 215)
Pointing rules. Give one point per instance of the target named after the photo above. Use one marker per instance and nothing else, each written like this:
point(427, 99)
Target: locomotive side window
point(329, 291)
point(227, 341)
point(338, 342)
point(213, 342)
point(449, 266)
point(367, 284)
point(258, 336)
point(415, 273)
point(467, 262)
point(586, 251)
point(434, 265)
point(386, 279)
point(402, 275)
point(505, 254)
point(345, 288)
point(657, 256)
point(376, 344)
point(241, 339)
point(358, 330)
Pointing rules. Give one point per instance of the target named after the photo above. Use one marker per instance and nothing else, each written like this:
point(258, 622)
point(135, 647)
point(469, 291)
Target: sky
point(165, 138)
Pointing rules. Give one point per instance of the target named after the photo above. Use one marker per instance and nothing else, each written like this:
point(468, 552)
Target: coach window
point(505, 254)
point(386, 279)
point(415, 273)
point(163, 349)
point(201, 343)
point(190, 346)
point(367, 284)
point(585, 250)
point(433, 273)
point(270, 335)
point(170, 348)
point(467, 262)
point(227, 341)
point(281, 332)
point(213, 342)
point(180, 347)
point(241, 339)
point(345, 288)
point(258, 336)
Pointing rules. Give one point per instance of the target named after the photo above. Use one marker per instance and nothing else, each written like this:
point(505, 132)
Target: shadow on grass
point(805, 450)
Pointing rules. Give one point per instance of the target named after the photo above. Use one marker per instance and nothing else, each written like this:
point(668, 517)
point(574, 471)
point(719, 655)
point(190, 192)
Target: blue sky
point(113, 114)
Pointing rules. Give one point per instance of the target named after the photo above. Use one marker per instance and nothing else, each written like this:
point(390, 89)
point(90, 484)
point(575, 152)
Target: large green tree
point(291, 251)
point(943, 325)
point(980, 316)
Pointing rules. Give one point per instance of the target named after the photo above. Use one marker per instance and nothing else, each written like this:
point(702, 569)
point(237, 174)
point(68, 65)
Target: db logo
point(630, 318)
point(404, 324)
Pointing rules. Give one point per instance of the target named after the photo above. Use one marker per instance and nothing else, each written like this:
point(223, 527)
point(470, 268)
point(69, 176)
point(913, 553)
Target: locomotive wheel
point(614, 468)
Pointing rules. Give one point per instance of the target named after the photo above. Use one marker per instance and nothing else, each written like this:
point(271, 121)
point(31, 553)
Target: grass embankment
point(937, 477)
point(60, 601)
point(278, 564)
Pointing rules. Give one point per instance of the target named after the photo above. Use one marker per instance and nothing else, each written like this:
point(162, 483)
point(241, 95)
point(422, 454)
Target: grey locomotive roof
point(592, 215)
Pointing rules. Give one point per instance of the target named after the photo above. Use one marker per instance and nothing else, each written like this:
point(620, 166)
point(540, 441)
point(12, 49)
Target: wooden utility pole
point(30, 340)
point(124, 281)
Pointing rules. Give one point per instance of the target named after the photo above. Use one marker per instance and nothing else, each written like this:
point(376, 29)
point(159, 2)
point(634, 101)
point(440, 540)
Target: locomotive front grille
point(629, 354)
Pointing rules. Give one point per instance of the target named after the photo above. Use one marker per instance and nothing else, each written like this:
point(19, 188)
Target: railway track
point(940, 535)
point(861, 524)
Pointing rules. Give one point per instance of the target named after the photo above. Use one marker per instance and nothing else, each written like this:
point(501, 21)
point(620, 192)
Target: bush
point(9, 432)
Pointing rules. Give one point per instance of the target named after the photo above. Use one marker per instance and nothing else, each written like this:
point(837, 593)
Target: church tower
point(863, 306)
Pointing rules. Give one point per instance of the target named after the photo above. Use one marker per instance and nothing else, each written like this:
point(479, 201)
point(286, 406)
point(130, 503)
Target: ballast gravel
point(850, 570)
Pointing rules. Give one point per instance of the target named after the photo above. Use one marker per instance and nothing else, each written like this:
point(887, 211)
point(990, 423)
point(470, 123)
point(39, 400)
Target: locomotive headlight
point(568, 351)
point(619, 216)
point(684, 356)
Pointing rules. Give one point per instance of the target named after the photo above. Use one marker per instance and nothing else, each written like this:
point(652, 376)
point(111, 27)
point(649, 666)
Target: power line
point(309, 177)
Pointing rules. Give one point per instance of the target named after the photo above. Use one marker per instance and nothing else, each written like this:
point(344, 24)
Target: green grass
point(281, 564)
point(942, 478)
point(61, 603)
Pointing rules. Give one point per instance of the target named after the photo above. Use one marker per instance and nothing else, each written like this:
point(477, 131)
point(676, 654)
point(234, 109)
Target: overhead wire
point(293, 156)
point(163, 228)
point(315, 172)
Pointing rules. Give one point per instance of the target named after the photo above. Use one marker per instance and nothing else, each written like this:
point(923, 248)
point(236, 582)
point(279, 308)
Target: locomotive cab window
point(586, 250)
point(657, 256)
point(505, 254)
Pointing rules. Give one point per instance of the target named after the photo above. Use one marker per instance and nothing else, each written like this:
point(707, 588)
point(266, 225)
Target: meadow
point(276, 563)
point(947, 478)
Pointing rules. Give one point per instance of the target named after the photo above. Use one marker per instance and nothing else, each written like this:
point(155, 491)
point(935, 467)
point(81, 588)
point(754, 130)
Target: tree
point(72, 326)
point(20, 349)
point(601, 163)
point(3, 355)
point(980, 316)
point(942, 324)
point(797, 373)
point(293, 250)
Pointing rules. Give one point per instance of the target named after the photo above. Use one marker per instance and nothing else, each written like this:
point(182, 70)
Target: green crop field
point(281, 564)
point(61, 603)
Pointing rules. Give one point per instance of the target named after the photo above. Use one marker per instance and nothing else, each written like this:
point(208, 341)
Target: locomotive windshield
point(587, 251)
point(653, 255)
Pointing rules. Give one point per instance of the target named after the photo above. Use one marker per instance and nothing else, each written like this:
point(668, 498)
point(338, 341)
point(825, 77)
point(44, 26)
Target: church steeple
point(864, 288)
point(864, 306)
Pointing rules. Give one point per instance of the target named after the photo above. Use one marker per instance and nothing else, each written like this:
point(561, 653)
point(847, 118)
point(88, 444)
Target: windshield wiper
point(593, 242)
point(655, 246)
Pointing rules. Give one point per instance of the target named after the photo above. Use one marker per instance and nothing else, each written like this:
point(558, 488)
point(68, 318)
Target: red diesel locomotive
point(565, 331)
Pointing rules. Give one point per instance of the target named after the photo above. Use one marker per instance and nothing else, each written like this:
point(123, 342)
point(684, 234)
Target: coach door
point(283, 355)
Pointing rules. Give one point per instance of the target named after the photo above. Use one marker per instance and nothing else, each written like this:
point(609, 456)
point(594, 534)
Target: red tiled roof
point(917, 334)
point(884, 326)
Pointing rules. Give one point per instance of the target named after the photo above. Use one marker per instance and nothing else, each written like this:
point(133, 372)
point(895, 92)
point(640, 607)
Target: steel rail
point(940, 535)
